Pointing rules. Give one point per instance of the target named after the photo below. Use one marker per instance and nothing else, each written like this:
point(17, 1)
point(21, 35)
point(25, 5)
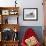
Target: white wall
point(32, 4)
point(26, 4)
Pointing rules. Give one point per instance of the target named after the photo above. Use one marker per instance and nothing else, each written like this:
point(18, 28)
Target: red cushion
point(29, 33)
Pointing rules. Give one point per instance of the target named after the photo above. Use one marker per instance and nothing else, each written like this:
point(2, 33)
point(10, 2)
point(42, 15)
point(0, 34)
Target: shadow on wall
point(37, 29)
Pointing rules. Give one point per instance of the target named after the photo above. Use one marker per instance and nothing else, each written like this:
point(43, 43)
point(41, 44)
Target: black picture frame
point(33, 13)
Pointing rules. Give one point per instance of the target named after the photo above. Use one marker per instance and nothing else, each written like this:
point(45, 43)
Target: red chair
point(29, 33)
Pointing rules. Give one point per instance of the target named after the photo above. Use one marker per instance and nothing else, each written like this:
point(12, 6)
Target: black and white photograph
point(30, 14)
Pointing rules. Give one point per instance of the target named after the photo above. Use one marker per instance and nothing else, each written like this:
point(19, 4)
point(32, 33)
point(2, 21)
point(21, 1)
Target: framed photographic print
point(5, 12)
point(13, 12)
point(30, 14)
